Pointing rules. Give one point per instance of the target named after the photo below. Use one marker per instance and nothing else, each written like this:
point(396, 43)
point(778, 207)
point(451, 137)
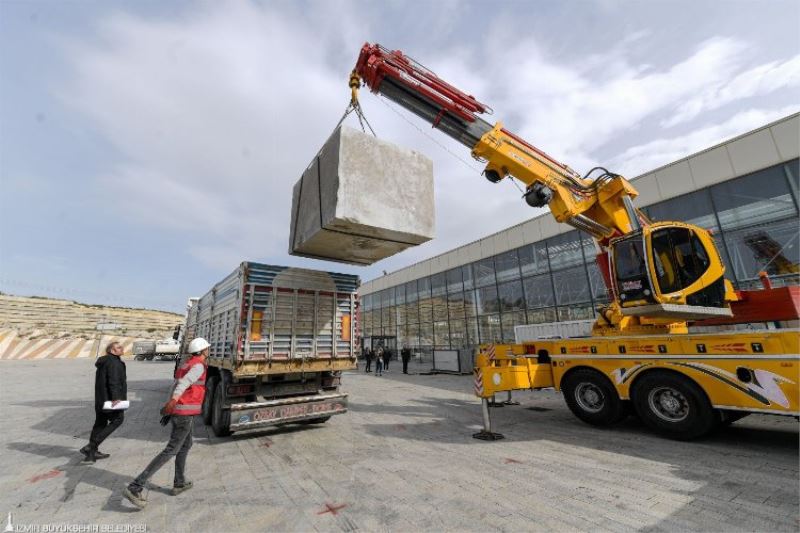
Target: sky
point(148, 147)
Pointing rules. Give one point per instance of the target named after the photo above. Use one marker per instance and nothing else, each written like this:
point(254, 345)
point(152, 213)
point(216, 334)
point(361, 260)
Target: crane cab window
point(629, 259)
point(679, 258)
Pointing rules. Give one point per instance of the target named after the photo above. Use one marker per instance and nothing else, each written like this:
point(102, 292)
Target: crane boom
point(659, 275)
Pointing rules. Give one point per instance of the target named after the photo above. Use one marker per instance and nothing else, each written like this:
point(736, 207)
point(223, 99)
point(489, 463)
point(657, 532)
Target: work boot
point(135, 497)
point(177, 489)
point(89, 457)
point(100, 455)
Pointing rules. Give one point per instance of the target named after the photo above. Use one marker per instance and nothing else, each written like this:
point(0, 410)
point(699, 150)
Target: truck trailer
point(280, 339)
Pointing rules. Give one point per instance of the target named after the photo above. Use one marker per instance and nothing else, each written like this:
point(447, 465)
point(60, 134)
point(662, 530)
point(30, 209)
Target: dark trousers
point(105, 422)
point(378, 367)
point(405, 365)
point(369, 365)
point(386, 363)
point(180, 441)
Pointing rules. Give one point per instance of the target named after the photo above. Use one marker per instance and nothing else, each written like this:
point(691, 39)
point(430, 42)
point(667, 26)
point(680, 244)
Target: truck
point(164, 349)
point(280, 339)
point(661, 277)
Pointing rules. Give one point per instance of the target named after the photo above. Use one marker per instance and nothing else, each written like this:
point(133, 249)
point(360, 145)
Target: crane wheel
point(592, 397)
point(674, 406)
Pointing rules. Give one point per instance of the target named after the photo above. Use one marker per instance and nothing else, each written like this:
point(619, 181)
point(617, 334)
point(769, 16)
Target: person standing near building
point(379, 361)
point(405, 355)
point(185, 402)
point(110, 385)
point(387, 355)
point(368, 357)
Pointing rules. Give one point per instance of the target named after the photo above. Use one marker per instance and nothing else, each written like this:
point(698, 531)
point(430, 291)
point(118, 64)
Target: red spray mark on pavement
point(267, 442)
point(332, 508)
point(401, 427)
point(47, 475)
point(509, 461)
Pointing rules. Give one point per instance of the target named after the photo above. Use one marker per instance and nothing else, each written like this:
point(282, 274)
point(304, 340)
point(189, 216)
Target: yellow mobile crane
point(660, 275)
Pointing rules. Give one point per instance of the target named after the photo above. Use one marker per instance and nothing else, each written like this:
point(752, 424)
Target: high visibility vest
point(191, 401)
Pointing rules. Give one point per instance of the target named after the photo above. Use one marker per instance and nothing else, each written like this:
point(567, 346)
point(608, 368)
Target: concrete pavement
point(402, 459)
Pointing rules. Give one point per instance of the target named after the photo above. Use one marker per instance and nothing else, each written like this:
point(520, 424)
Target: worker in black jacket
point(110, 385)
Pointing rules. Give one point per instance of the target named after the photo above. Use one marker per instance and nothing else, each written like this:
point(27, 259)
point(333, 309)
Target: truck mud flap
point(259, 414)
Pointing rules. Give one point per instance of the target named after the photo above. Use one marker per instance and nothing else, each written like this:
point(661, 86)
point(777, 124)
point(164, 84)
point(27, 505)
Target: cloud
point(757, 81)
point(215, 112)
point(658, 152)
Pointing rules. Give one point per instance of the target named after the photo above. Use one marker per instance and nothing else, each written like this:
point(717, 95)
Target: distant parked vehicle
point(166, 349)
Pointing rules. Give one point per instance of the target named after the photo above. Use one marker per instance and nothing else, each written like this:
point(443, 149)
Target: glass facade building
point(754, 219)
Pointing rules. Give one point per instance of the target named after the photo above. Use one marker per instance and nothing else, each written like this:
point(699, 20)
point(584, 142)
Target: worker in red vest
point(185, 402)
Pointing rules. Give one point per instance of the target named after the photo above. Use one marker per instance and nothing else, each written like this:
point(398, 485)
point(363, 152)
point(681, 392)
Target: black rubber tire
point(208, 399)
point(220, 418)
point(606, 410)
point(685, 402)
point(320, 420)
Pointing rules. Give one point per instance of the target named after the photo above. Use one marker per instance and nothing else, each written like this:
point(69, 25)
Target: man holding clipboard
point(110, 390)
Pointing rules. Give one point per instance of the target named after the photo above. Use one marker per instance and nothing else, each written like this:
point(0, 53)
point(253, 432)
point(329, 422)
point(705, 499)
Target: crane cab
point(669, 270)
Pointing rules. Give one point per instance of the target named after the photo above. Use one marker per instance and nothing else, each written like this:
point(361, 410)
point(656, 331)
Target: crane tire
point(592, 397)
point(674, 405)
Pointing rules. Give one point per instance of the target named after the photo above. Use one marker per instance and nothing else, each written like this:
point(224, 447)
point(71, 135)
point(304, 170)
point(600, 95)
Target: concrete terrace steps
point(42, 328)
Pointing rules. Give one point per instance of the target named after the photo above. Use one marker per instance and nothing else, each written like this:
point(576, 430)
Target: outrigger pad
point(488, 435)
point(361, 200)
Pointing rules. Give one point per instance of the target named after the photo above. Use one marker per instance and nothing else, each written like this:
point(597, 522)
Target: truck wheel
point(220, 418)
point(592, 398)
point(208, 399)
point(674, 406)
point(320, 420)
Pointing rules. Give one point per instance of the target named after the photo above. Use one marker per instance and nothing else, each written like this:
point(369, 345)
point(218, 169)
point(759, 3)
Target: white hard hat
point(198, 345)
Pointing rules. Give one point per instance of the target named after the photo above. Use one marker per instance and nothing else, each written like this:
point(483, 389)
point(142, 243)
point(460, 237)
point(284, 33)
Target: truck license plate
point(297, 410)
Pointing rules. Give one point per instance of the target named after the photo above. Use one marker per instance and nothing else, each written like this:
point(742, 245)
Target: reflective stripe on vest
point(191, 401)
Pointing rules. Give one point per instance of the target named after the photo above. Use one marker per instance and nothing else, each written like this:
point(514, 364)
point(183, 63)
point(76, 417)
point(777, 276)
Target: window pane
point(426, 334)
point(565, 250)
point(412, 313)
point(539, 291)
point(411, 291)
point(466, 273)
point(773, 247)
point(542, 316)
point(458, 334)
point(489, 328)
point(760, 197)
point(441, 334)
point(509, 321)
point(487, 300)
point(510, 295)
point(693, 208)
point(455, 306)
point(575, 312)
point(533, 259)
point(599, 291)
point(402, 316)
point(507, 266)
point(426, 310)
point(472, 331)
point(412, 334)
point(470, 305)
point(572, 286)
point(438, 284)
point(454, 283)
point(484, 272)
point(423, 288)
point(400, 294)
point(366, 323)
point(440, 308)
point(387, 297)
